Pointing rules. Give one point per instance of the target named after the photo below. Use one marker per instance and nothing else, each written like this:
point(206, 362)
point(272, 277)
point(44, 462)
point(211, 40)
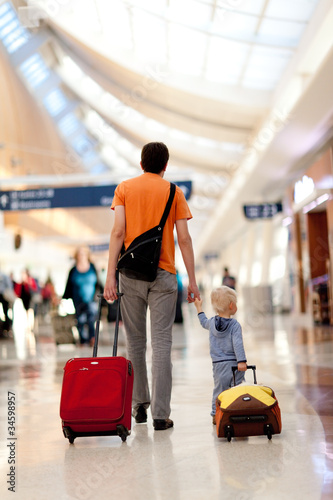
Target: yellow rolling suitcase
point(247, 410)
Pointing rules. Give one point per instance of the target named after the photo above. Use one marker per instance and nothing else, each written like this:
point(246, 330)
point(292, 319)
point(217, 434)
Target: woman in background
point(81, 287)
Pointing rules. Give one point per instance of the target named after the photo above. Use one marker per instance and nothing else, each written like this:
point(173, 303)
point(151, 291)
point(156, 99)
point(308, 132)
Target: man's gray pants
point(160, 296)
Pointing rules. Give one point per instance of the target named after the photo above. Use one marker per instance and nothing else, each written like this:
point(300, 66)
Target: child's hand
point(242, 367)
point(198, 304)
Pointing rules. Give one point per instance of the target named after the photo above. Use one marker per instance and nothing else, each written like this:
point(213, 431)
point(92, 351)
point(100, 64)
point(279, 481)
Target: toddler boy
point(225, 339)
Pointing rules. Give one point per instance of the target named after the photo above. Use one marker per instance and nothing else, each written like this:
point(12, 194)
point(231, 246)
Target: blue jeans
point(160, 296)
point(86, 315)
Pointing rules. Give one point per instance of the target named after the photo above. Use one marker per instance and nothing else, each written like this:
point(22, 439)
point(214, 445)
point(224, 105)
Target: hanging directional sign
point(35, 199)
point(102, 247)
point(68, 197)
point(211, 256)
point(262, 211)
point(186, 187)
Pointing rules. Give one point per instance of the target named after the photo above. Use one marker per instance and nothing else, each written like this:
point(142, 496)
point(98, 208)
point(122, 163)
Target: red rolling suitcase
point(96, 397)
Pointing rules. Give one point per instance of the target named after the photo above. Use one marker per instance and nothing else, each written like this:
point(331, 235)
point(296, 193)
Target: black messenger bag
point(140, 260)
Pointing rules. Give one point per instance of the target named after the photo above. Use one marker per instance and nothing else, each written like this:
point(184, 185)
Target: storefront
point(311, 240)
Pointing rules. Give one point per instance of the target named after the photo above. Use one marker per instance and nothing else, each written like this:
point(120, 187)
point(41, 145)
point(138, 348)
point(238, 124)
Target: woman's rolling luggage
point(247, 410)
point(63, 328)
point(96, 396)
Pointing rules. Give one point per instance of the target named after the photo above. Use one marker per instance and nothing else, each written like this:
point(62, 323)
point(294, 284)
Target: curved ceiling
point(228, 86)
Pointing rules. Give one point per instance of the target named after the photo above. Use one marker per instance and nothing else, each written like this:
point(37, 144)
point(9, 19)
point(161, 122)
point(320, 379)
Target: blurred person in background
point(7, 297)
point(228, 280)
point(180, 297)
point(49, 296)
point(81, 288)
point(27, 290)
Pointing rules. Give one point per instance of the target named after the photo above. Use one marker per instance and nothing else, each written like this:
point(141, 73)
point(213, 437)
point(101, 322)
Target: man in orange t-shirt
point(139, 204)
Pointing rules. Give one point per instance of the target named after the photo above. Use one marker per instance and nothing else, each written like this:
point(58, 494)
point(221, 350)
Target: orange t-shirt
point(144, 198)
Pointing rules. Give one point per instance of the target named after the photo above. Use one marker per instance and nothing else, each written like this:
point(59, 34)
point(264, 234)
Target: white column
point(250, 251)
point(267, 246)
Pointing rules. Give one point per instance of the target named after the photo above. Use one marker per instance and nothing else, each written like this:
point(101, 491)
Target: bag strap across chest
point(168, 205)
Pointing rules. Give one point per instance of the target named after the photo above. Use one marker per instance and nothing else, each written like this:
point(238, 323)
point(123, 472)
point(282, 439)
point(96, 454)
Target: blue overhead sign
point(211, 256)
point(102, 247)
point(186, 187)
point(68, 197)
point(262, 211)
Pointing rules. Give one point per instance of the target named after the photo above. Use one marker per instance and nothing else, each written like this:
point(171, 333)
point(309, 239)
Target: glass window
point(149, 34)
point(35, 70)
point(225, 61)
point(55, 102)
point(6, 18)
point(281, 32)
point(187, 50)
point(298, 10)
point(69, 124)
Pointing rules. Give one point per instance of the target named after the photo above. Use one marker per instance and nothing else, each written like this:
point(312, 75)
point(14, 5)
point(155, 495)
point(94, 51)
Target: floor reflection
point(292, 356)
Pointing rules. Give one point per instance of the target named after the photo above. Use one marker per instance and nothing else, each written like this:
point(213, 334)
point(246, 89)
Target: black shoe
point(162, 425)
point(141, 415)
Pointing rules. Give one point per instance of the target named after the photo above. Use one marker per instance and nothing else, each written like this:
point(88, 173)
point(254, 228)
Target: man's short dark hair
point(154, 157)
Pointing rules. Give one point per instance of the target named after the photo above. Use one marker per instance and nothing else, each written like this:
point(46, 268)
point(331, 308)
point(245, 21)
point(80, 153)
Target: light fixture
point(287, 221)
point(321, 199)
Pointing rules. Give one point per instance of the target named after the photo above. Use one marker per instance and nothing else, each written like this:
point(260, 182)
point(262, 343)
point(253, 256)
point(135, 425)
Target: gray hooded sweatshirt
point(225, 338)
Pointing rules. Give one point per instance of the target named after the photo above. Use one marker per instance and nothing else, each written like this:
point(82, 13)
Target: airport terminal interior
point(241, 93)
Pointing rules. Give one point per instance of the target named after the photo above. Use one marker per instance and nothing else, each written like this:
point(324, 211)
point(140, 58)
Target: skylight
point(216, 40)
point(35, 70)
point(12, 34)
point(83, 145)
point(110, 106)
point(55, 102)
point(69, 125)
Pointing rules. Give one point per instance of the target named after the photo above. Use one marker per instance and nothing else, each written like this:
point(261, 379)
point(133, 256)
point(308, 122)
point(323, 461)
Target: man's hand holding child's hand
point(198, 305)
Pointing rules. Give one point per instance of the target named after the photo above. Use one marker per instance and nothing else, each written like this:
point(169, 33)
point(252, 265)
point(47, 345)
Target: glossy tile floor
point(186, 462)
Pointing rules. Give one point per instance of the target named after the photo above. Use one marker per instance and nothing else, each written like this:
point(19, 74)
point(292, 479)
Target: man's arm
point(186, 248)
point(116, 242)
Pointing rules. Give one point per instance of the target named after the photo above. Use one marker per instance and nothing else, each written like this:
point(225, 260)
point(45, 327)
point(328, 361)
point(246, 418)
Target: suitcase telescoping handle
point(98, 321)
point(249, 367)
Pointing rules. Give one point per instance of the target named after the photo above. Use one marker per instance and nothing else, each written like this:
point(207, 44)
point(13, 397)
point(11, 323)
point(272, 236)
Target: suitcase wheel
point(268, 431)
point(122, 432)
point(68, 434)
point(228, 432)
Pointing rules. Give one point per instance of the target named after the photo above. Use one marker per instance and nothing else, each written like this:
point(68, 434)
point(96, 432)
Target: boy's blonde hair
point(221, 298)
